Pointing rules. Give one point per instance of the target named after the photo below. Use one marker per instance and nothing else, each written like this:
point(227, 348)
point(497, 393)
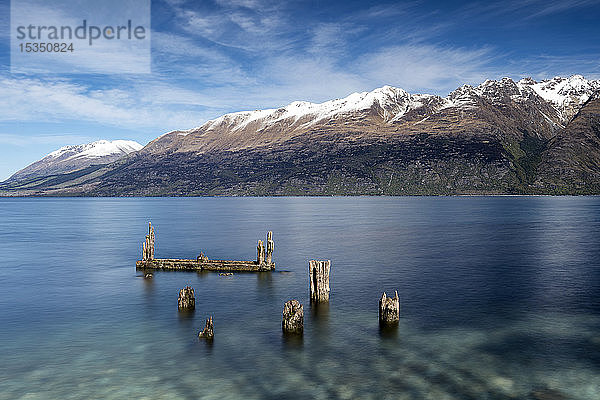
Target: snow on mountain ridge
point(565, 94)
point(97, 149)
point(463, 97)
point(390, 100)
point(71, 158)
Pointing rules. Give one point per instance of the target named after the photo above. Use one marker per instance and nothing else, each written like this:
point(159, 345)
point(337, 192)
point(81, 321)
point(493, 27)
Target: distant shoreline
point(293, 196)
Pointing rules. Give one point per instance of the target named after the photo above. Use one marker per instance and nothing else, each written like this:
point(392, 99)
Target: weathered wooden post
point(389, 310)
point(208, 332)
point(148, 245)
point(151, 233)
point(293, 317)
point(260, 250)
point(270, 248)
point(319, 280)
point(202, 258)
point(186, 300)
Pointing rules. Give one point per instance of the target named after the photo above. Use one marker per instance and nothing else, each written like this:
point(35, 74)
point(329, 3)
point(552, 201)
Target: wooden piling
point(293, 317)
point(319, 280)
point(260, 250)
point(389, 309)
point(208, 332)
point(148, 245)
point(270, 248)
point(186, 299)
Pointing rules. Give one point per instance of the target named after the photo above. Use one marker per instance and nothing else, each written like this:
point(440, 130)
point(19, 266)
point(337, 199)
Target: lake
point(499, 299)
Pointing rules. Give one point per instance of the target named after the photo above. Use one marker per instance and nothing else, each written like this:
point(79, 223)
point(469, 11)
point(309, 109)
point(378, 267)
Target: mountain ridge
point(486, 139)
point(74, 157)
point(561, 98)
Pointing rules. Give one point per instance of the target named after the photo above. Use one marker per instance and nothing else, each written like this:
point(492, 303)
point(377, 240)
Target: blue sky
point(213, 57)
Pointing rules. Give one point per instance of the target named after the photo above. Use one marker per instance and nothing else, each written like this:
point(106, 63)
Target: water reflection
point(264, 281)
point(148, 284)
point(203, 274)
point(388, 331)
point(186, 315)
point(292, 340)
point(319, 312)
point(206, 344)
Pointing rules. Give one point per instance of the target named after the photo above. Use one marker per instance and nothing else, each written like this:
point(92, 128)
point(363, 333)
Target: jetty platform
point(263, 262)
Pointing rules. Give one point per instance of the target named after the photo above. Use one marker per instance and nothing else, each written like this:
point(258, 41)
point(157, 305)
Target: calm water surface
point(499, 299)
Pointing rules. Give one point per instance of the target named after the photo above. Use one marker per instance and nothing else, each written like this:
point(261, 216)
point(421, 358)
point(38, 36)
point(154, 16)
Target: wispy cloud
point(329, 40)
point(178, 56)
point(542, 8)
point(418, 66)
point(38, 100)
point(521, 10)
point(13, 139)
point(245, 25)
point(545, 66)
point(105, 56)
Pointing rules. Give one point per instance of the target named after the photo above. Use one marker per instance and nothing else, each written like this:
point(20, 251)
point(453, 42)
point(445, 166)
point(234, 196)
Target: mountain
point(550, 103)
point(498, 137)
point(251, 129)
point(72, 158)
point(571, 162)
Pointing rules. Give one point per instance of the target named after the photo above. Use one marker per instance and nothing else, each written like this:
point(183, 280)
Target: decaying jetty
point(263, 262)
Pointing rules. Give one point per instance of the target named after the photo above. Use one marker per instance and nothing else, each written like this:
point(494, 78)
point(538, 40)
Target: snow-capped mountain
point(72, 158)
point(389, 102)
point(98, 149)
point(565, 94)
point(548, 105)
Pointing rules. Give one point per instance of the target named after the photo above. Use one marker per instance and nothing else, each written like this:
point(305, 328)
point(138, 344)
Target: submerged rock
point(389, 309)
point(186, 299)
point(208, 332)
point(293, 317)
point(547, 394)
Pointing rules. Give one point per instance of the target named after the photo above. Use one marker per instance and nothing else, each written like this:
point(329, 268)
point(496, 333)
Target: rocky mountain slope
point(72, 158)
point(498, 137)
point(571, 162)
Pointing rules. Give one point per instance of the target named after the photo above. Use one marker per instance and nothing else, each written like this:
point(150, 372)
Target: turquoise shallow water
point(499, 299)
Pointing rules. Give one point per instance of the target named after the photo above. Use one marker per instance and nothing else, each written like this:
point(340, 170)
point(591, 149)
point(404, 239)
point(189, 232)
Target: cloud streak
point(39, 100)
point(12, 139)
point(522, 11)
